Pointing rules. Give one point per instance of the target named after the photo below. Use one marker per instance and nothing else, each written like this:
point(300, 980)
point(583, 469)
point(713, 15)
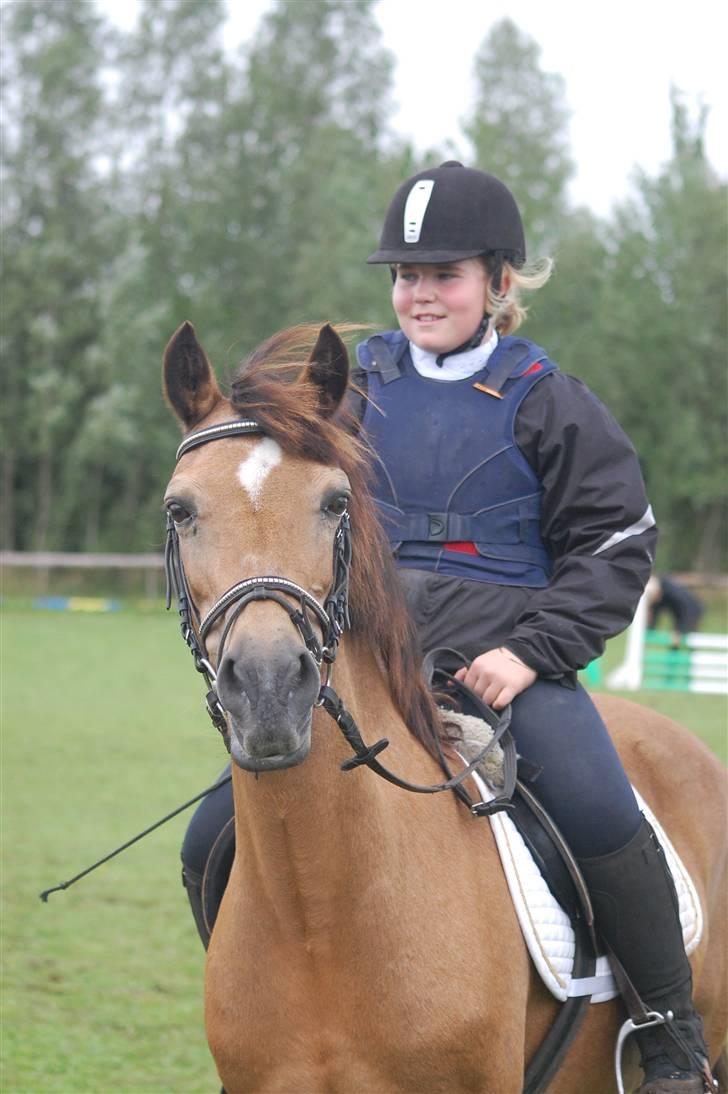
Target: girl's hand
point(497, 677)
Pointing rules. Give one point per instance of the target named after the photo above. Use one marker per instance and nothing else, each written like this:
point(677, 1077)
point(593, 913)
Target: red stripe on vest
point(462, 546)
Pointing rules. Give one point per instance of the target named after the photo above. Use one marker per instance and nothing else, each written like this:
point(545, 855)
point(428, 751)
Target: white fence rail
point(49, 560)
point(698, 664)
point(44, 563)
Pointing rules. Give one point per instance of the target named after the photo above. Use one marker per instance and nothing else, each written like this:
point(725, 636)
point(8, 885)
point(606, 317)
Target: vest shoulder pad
point(523, 353)
point(516, 357)
point(381, 352)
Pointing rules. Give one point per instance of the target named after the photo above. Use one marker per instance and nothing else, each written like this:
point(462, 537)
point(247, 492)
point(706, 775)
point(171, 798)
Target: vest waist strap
point(507, 525)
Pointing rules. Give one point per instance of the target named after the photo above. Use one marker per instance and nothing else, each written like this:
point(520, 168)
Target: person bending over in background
point(666, 595)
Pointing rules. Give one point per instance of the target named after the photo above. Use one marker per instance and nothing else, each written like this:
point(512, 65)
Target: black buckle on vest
point(437, 527)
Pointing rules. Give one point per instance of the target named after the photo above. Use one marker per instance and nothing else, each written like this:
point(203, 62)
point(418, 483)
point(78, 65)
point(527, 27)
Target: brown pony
point(366, 940)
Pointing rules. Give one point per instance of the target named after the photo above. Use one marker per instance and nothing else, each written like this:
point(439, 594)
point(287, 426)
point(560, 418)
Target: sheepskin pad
point(545, 925)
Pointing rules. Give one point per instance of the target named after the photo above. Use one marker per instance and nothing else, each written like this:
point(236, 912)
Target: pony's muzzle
point(268, 691)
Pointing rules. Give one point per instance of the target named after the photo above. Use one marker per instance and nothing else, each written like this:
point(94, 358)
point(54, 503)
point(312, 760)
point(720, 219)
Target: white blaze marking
point(254, 470)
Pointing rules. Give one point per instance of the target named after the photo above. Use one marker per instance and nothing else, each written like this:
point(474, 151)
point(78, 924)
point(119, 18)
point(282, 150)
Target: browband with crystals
point(215, 432)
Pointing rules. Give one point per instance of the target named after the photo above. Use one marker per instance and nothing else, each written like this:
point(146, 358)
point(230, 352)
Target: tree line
point(149, 177)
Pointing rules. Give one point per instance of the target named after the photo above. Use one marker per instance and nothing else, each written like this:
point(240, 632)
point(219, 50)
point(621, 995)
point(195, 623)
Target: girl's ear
point(189, 382)
point(328, 370)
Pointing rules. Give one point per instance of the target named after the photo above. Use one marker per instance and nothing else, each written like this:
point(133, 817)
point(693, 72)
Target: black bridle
point(332, 617)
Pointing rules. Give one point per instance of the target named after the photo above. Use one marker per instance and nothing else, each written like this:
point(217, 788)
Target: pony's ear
point(328, 369)
point(189, 382)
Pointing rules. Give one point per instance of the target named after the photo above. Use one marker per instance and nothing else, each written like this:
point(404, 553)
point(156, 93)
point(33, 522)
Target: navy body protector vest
point(454, 491)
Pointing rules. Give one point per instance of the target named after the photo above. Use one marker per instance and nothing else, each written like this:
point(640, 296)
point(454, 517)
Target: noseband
point(333, 619)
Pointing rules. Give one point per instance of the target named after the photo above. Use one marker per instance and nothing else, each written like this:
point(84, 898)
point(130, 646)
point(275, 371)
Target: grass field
point(104, 732)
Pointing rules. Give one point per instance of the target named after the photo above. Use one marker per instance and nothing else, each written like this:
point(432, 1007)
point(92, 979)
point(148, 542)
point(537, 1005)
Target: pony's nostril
point(235, 676)
point(301, 671)
point(308, 670)
point(292, 672)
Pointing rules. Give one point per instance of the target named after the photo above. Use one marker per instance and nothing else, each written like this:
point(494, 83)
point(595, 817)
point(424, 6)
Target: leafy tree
point(279, 231)
point(170, 75)
point(54, 245)
point(518, 128)
point(171, 79)
point(566, 315)
point(147, 178)
point(244, 197)
point(665, 300)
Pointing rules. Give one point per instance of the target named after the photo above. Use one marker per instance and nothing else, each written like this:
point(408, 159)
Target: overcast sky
point(618, 60)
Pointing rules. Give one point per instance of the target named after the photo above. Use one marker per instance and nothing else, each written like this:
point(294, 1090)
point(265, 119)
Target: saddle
point(548, 891)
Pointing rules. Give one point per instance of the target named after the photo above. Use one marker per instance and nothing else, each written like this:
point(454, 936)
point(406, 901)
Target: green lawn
point(104, 731)
point(705, 715)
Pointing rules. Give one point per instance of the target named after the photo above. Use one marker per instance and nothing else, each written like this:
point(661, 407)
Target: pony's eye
point(177, 512)
point(337, 505)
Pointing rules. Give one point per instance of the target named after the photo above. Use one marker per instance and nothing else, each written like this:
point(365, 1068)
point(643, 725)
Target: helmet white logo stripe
point(415, 208)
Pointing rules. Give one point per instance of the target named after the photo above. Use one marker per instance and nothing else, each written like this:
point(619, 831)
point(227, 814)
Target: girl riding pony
point(516, 510)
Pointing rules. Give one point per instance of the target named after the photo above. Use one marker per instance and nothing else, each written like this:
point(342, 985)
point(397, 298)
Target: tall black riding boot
point(193, 887)
point(636, 911)
point(206, 889)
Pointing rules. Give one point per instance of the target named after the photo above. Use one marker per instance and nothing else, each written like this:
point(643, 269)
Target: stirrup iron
point(653, 1018)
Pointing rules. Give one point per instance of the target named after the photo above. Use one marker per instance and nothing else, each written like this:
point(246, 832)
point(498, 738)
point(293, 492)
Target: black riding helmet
point(449, 213)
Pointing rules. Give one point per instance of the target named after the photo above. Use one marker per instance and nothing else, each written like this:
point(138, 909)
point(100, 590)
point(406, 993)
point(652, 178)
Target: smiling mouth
point(427, 318)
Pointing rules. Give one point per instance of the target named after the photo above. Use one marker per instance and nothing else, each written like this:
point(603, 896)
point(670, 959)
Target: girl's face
point(440, 307)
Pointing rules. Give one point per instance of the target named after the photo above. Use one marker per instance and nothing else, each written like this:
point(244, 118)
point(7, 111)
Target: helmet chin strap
point(472, 343)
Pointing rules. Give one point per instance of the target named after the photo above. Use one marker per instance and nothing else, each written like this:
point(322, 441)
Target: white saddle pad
point(545, 925)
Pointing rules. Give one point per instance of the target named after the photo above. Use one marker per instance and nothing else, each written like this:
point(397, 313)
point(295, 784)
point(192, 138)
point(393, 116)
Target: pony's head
point(272, 501)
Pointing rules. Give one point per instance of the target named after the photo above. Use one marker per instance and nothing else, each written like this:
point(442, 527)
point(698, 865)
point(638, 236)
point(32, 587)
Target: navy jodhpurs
point(582, 783)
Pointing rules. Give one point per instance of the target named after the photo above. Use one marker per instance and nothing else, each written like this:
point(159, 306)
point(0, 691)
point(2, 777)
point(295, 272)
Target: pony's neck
point(314, 834)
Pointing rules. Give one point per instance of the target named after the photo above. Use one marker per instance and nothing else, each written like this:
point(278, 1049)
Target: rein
point(333, 619)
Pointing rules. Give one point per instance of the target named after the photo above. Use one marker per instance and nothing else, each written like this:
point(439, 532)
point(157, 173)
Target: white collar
point(458, 367)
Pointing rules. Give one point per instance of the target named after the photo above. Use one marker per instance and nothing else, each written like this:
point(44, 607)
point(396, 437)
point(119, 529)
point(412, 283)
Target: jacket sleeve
point(596, 522)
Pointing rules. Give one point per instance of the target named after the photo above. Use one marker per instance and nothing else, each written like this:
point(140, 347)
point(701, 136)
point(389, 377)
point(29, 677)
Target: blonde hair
point(506, 308)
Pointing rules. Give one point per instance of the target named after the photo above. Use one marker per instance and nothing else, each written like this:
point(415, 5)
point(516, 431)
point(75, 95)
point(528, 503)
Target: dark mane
point(268, 386)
